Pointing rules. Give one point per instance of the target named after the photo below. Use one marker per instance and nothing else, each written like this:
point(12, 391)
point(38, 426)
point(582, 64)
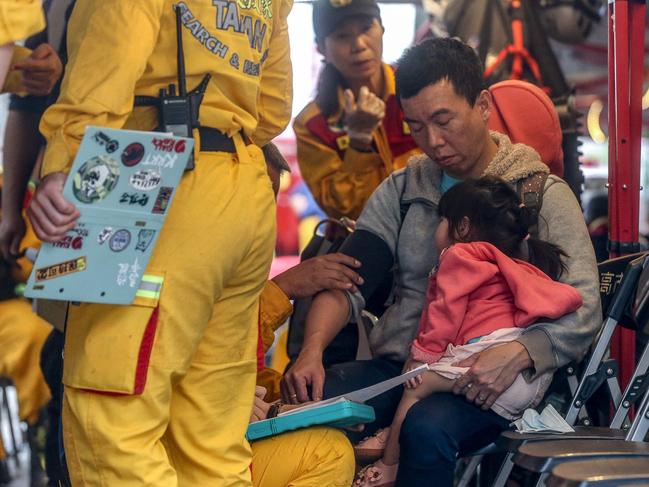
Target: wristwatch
point(273, 410)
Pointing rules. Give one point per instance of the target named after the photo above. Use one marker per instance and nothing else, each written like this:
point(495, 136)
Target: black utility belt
point(213, 140)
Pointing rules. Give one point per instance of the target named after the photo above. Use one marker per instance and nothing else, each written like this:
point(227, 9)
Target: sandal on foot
point(371, 448)
point(377, 474)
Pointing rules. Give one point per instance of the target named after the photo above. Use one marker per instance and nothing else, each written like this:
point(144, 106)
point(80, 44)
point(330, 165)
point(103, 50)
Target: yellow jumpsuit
point(159, 393)
point(311, 457)
point(22, 334)
point(340, 177)
point(19, 19)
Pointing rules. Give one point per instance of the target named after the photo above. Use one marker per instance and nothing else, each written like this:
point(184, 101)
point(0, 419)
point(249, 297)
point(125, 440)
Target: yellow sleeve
point(276, 84)
point(109, 43)
point(340, 186)
point(270, 379)
point(274, 310)
point(20, 19)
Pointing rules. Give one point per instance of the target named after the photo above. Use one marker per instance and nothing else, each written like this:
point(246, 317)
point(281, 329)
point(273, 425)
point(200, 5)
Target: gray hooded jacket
point(411, 242)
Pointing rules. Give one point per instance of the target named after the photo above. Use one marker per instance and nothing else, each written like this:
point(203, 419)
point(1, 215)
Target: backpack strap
point(530, 191)
point(403, 205)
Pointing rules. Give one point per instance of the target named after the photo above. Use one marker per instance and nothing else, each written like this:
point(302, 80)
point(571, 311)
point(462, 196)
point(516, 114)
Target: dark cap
point(328, 14)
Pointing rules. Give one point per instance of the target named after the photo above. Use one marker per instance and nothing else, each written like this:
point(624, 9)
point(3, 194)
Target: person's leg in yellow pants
point(312, 457)
point(22, 334)
point(187, 426)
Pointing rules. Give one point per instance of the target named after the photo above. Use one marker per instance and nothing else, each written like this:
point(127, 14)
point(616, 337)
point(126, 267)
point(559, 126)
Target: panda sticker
point(96, 178)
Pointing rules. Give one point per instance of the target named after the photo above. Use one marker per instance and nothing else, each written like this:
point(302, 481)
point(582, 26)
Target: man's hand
point(41, 70)
point(307, 371)
point(12, 231)
point(491, 372)
point(259, 406)
point(50, 213)
point(332, 271)
point(362, 116)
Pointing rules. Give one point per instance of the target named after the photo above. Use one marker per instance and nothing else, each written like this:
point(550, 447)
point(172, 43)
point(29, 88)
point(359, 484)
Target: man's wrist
point(284, 285)
point(522, 359)
point(313, 349)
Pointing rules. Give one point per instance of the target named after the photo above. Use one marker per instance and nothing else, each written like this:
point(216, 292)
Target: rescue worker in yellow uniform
point(316, 456)
point(308, 457)
point(160, 392)
point(353, 134)
point(22, 334)
point(313, 456)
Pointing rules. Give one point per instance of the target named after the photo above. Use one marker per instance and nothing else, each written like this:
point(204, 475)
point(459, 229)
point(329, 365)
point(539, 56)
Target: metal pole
point(626, 21)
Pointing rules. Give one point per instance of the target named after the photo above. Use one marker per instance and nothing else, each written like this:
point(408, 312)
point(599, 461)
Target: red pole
point(626, 20)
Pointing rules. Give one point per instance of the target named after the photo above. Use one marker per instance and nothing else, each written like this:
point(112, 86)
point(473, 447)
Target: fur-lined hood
point(512, 162)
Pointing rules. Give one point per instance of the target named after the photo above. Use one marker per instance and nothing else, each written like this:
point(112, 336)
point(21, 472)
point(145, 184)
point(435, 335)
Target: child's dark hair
point(496, 215)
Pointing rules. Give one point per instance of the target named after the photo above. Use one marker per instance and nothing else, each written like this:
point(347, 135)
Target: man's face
point(449, 130)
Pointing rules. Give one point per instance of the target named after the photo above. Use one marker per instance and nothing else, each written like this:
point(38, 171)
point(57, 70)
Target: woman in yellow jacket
point(307, 457)
point(160, 392)
point(316, 456)
point(353, 134)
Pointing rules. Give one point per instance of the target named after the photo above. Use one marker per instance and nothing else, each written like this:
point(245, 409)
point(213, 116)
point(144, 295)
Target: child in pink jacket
point(481, 295)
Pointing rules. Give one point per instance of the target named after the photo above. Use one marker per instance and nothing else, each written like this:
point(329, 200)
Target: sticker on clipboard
point(61, 269)
point(95, 179)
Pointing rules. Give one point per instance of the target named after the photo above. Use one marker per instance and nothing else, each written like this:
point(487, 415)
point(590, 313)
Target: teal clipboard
point(122, 182)
point(337, 415)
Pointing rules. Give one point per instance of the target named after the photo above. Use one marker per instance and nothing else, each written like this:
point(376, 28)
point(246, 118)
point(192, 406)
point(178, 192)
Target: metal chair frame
point(635, 390)
point(595, 373)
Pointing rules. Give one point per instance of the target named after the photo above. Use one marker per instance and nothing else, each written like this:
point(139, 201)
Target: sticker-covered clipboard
point(122, 182)
point(337, 415)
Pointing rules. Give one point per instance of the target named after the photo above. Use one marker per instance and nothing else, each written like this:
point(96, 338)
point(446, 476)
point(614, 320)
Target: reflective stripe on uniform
point(150, 287)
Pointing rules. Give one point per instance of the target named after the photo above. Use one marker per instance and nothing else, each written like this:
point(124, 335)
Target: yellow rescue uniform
point(340, 177)
point(311, 457)
point(274, 309)
point(19, 19)
point(160, 392)
point(22, 334)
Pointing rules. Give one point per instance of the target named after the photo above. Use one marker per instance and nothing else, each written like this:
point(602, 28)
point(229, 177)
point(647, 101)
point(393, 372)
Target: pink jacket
point(476, 290)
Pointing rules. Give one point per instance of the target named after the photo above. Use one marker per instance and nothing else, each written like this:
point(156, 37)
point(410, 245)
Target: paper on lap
point(365, 394)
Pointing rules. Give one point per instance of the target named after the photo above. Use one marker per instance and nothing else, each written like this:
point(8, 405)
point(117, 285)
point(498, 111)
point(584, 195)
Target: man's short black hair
point(434, 60)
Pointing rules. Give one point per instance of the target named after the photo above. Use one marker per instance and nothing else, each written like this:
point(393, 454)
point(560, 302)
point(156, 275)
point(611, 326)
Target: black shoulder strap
point(403, 205)
point(530, 191)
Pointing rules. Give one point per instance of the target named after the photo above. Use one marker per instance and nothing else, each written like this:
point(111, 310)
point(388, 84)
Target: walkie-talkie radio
point(177, 109)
